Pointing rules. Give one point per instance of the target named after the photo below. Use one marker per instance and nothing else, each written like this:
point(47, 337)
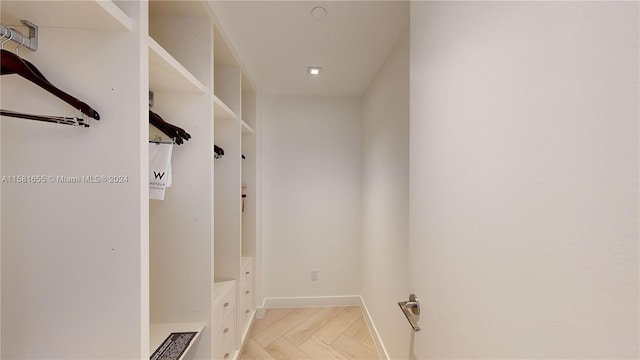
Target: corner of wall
point(377, 339)
point(385, 199)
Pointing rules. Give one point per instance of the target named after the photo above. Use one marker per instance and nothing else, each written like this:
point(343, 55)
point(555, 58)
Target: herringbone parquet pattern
point(310, 333)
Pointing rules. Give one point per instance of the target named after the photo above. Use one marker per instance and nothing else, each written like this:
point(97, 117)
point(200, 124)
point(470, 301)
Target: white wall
point(524, 179)
point(385, 199)
point(311, 155)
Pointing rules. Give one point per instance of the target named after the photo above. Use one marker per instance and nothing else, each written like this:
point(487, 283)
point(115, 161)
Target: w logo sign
point(158, 175)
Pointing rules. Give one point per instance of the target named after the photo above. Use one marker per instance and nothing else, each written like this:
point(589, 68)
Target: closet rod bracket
point(33, 34)
point(30, 42)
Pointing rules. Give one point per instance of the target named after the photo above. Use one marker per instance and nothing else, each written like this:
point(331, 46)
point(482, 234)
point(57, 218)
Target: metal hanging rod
point(14, 35)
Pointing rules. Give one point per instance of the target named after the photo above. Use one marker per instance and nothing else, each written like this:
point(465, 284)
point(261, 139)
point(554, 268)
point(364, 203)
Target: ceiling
point(278, 40)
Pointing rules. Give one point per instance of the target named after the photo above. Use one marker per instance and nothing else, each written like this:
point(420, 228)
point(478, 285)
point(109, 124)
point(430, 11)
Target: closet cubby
point(227, 73)
point(75, 281)
point(248, 103)
point(167, 74)
point(180, 226)
point(222, 111)
point(227, 200)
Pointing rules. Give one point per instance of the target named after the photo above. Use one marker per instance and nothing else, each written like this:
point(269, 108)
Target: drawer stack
point(224, 320)
point(245, 304)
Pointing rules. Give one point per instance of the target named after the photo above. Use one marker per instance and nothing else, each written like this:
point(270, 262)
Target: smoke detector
point(319, 12)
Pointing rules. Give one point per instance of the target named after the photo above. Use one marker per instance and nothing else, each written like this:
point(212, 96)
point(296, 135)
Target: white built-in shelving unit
point(124, 271)
point(199, 224)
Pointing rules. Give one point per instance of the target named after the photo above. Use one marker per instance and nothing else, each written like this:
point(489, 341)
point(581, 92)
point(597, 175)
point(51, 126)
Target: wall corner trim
point(382, 350)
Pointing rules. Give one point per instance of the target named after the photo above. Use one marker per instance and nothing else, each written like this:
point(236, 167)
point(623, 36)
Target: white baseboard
point(382, 351)
point(284, 302)
point(349, 300)
point(236, 355)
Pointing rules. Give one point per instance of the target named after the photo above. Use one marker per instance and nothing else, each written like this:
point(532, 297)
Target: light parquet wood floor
point(320, 333)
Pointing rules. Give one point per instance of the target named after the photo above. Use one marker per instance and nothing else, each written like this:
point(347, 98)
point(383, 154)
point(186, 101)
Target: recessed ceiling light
point(314, 71)
point(319, 12)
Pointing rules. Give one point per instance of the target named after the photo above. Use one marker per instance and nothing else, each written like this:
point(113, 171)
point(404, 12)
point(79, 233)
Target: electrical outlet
point(314, 274)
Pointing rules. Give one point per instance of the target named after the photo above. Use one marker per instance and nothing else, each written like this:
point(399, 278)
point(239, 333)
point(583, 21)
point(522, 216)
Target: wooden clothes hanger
point(46, 118)
point(11, 63)
point(8, 71)
point(172, 131)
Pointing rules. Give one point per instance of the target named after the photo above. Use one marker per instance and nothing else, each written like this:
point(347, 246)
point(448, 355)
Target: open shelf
point(248, 101)
point(246, 128)
point(104, 15)
point(167, 74)
point(227, 73)
point(159, 332)
point(178, 8)
point(221, 110)
point(223, 55)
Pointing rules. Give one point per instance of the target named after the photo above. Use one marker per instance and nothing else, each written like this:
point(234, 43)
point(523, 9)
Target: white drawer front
point(247, 275)
point(224, 343)
point(224, 308)
point(245, 316)
point(246, 298)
